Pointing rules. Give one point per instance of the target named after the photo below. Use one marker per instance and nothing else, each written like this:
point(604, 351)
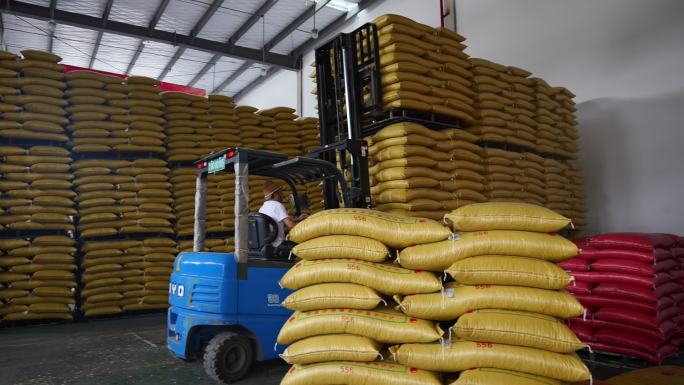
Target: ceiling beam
point(215, 5)
point(141, 45)
point(265, 7)
point(95, 23)
point(98, 40)
point(296, 23)
point(310, 44)
point(244, 67)
point(51, 25)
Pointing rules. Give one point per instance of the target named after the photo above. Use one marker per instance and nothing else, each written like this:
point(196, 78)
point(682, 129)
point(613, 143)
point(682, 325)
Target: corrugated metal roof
point(115, 51)
point(181, 15)
point(134, 12)
point(186, 66)
point(86, 7)
point(74, 43)
point(228, 19)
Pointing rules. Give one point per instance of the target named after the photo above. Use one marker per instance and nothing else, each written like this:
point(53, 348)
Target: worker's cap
point(270, 188)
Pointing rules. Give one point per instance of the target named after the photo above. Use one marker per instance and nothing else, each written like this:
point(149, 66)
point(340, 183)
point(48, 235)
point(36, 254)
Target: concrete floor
point(130, 351)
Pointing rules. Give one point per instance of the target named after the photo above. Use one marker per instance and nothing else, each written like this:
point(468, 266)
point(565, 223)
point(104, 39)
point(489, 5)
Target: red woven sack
point(575, 264)
point(601, 277)
point(583, 332)
point(579, 287)
point(678, 251)
point(600, 302)
point(627, 266)
point(635, 255)
point(628, 316)
point(656, 357)
point(627, 340)
point(665, 330)
point(631, 241)
point(636, 293)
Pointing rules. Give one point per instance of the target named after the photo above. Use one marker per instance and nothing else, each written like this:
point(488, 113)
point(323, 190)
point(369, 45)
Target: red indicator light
point(230, 154)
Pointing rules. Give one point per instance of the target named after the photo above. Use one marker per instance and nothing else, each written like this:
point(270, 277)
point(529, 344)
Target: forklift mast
point(348, 80)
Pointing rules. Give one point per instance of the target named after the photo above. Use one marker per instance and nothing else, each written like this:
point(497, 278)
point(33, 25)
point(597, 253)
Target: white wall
point(625, 61)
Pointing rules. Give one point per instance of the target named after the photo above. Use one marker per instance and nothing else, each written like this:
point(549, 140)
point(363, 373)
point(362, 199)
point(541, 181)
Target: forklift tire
point(228, 357)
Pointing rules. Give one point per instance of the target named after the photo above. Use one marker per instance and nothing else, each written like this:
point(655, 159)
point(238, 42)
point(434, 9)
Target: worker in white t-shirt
point(273, 207)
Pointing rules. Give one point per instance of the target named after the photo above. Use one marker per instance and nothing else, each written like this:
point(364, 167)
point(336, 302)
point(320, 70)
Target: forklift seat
point(262, 231)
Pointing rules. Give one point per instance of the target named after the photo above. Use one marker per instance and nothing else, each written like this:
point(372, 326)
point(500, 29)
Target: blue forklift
point(226, 307)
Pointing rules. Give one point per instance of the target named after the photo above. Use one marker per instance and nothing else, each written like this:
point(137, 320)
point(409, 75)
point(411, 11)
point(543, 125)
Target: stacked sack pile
point(631, 283)
point(252, 134)
point(126, 275)
point(420, 172)
point(109, 114)
point(342, 282)
point(32, 92)
point(514, 176)
point(424, 68)
point(309, 135)
point(285, 135)
point(506, 303)
point(122, 197)
point(504, 104)
point(556, 122)
point(36, 187)
point(37, 278)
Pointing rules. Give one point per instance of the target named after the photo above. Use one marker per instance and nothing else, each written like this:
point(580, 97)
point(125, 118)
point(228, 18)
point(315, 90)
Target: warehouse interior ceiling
point(222, 46)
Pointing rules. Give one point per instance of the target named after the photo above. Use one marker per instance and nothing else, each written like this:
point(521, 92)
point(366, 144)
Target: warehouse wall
point(623, 59)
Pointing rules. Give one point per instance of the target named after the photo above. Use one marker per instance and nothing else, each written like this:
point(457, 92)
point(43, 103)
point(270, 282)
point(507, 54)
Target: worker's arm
point(290, 222)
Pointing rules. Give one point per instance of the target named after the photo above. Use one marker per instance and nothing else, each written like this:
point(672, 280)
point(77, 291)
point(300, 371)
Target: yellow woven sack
point(333, 347)
point(517, 328)
point(398, 173)
point(333, 296)
point(505, 216)
point(440, 255)
point(392, 230)
point(342, 246)
point(507, 270)
point(489, 376)
point(463, 355)
point(358, 373)
point(382, 324)
point(457, 300)
point(384, 277)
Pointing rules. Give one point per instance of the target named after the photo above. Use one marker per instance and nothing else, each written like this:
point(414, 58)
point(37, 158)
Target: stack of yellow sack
point(36, 188)
point(578, 211)
point(37, 278)
point(251, 131)
point(188, 134)
point(143, 115)
point(506, 301)
point(214, 245)
point(502, 173)
point(223, 120)
point(424, 68)
point(221, 203)
point(126, 275)
point(91, 106)
point(309, 135)
point(341, 321)
point(32, 90)
point(183, 187)
point(314, 191)
point(493, 119)
point(555, 120)
point(532, 179)
point(123, 197)
point(285, 135)
point(424, 173)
